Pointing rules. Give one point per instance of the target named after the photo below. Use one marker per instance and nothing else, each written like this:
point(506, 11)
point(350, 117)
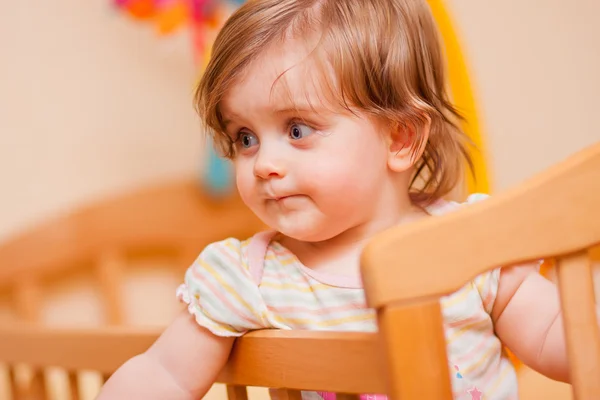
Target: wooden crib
point(171, 221)
point(555, 215)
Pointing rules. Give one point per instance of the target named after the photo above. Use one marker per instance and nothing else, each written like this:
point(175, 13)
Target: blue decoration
point(217, 175)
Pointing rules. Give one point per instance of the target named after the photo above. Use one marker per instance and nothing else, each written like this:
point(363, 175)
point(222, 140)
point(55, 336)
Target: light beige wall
point(535, 65)
point(91, 103)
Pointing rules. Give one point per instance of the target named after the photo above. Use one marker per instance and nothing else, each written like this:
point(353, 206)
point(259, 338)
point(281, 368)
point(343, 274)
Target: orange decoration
point(171, 18)
point(141, 9)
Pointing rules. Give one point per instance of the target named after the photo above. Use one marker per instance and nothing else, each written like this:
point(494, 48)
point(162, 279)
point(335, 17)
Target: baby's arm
point(528, 320)
point(182, 364)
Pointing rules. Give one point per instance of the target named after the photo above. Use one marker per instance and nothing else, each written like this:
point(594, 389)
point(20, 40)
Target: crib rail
point(292, 360)
point(102, 350)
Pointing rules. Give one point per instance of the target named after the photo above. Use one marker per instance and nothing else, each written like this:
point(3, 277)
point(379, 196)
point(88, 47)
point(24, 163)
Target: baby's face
point(308, 172)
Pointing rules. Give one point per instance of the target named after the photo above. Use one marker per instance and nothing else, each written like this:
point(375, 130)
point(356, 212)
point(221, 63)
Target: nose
point(269, 164)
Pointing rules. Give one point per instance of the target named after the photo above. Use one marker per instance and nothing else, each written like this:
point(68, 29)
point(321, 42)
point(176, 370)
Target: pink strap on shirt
point(257, 249)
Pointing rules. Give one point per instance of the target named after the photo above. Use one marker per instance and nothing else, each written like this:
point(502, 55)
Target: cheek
point(359, 162)
point(244, 179)
point(352, 173)
point(354, 179)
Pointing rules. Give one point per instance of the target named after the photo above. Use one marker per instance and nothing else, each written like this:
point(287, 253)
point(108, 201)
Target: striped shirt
point(238, 286)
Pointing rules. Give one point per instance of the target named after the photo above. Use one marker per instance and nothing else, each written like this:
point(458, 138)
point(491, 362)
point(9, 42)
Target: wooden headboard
point(175, 217)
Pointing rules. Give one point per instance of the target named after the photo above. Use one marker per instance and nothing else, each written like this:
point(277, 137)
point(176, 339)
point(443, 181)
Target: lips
point(282, 197)
point(278, 196)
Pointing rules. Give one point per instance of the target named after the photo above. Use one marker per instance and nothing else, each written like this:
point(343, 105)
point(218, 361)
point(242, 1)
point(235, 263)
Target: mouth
point(283, 198)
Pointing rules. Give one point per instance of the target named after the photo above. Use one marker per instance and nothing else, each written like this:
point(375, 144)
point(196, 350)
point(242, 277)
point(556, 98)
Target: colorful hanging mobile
point(204, 18)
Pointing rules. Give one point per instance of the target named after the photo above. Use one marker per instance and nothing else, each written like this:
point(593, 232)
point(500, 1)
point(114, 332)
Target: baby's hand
point(182, 364)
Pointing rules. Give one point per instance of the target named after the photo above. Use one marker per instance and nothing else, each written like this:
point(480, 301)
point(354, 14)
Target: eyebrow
point(286, 109)
point(226, 122)
point(302, 108)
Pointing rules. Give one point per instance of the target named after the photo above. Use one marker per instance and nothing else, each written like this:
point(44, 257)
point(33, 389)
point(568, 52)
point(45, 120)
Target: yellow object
point(464, 100)
point(462, 93)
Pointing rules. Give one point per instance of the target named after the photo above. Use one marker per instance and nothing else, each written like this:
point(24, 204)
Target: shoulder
point(230, 245)
point(230, 252)
point(234, 257)
point(442, 206)
point(220, 291)
point(221, 264)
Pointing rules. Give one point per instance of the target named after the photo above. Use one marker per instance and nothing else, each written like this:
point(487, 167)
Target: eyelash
point(289, 124)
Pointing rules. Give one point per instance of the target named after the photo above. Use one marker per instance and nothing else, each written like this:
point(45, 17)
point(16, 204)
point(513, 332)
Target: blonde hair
point(386, 59)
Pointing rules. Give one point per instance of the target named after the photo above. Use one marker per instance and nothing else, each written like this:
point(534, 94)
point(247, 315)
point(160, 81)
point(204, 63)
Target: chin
point(302, 226)
point(306, 233)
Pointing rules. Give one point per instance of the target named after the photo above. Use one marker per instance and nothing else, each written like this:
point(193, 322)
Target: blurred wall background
point(92, 104)
point(535, 65)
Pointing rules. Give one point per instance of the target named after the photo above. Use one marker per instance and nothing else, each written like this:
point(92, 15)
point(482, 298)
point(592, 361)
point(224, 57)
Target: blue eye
point(247, 140)
point(299, 131)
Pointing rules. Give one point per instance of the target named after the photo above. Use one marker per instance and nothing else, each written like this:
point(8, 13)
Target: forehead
point(284, 75)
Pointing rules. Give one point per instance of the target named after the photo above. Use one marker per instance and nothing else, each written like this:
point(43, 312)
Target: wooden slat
point(288, 394)
point(110, 269)
point(309, 360)
point(37, 386)
point(432, 252)
point(106, 377)
point(235, 392)
point(415, 348)
point(12, 382)
point(580, 324)
point(27, 295)
point(33, 389)
point(73, 385)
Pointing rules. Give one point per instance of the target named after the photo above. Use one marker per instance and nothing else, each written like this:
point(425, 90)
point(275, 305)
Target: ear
point(406, 144)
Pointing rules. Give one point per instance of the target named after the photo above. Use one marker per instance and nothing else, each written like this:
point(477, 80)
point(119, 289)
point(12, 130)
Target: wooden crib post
point(27, 301)
point(580, 324)
point(289, 394)
point(235, 392)
point(415, 348)
point(110, 267)
point(74, 385)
